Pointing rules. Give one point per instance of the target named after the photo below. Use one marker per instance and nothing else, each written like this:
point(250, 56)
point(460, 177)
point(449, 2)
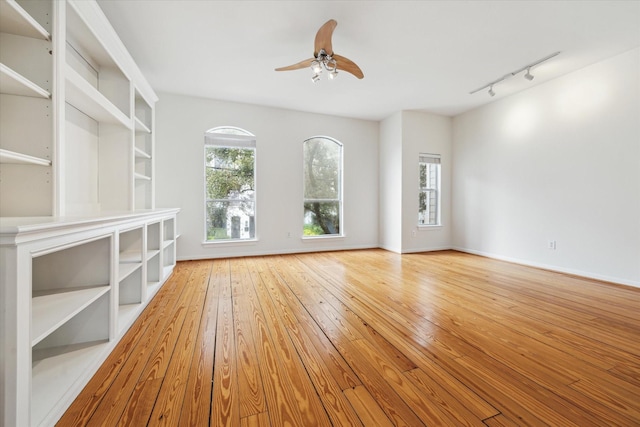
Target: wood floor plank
point(340, 314)
point(301, 392)
point(370, 413)
point(372, 337)
point(167, 408)
point(137, 409)
point(249, 380)
point(430, 408)
point(256, 420)
point(279, 393)
point(196, 407)
point(225, 401)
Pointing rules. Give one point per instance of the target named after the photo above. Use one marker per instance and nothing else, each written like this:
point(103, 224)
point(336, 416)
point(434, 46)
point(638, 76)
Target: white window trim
point(438, 190)
point(340, 200)
point(214, 139)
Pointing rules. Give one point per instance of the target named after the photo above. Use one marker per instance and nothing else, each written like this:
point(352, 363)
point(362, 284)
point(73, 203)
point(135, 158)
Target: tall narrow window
point(429, 198)
point(230, 187)
point(322, 187)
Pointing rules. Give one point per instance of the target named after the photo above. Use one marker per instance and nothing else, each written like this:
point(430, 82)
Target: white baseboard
point(574, 272)
point(273, 252)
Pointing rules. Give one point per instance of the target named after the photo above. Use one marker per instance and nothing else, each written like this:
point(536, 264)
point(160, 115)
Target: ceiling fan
point(323, 57)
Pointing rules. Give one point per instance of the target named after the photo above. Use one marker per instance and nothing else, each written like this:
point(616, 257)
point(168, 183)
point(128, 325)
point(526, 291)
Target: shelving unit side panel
point(14, 318)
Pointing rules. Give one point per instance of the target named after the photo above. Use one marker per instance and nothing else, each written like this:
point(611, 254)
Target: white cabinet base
point(77, 284)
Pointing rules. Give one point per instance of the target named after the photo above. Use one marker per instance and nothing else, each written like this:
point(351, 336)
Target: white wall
point(560, 161)
point(425, 133)
point(391, 183)
point(181, 124)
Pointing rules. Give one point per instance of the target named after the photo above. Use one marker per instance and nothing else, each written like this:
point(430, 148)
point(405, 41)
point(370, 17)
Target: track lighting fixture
point(527, 76)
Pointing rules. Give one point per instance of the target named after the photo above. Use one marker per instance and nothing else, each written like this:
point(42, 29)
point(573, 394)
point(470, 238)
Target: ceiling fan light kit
point(527, 76)
point(325, 58)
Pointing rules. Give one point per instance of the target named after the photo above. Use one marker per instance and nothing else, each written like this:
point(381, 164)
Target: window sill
point(324, 237)
point(243, 242)
point(429, 227)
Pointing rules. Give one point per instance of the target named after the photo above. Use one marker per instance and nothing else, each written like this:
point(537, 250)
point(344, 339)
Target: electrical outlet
point(551, 244)
point(413, 233)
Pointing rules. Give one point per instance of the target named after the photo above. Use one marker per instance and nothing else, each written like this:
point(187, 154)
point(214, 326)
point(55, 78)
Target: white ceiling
point(415, 55)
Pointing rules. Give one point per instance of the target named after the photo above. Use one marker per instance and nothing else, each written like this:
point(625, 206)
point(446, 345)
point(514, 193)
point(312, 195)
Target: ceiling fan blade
point(302, 64)
point(323, 38)
point(348, 65)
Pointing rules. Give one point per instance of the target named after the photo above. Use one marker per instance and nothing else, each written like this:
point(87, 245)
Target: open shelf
point(127, 257)
point(127, 314)
point(15, 20)
point(141, 127)
point(90, 101)
point(141, 154)
point(11, 157)
point(126, 269)
point(51, 311)
point(55, 371)
point(151, 253)
point(13, 83)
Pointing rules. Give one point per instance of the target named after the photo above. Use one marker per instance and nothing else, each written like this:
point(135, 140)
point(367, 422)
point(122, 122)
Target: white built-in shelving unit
point(83, 248)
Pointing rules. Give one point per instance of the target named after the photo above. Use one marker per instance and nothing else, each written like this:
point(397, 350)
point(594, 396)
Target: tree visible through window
point(322, 186)
point(230, 156)
point(429, 199)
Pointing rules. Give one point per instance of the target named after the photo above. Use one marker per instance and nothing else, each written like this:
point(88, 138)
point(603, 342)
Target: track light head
point(491, 92)
point(528, 76)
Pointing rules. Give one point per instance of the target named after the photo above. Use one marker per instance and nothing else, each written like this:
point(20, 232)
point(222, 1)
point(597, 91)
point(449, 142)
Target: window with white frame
point(322, 187)
point(230, 185)
point(429, 197)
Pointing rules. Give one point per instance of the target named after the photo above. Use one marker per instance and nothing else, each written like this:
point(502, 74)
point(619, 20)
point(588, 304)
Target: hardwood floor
point(373, 338)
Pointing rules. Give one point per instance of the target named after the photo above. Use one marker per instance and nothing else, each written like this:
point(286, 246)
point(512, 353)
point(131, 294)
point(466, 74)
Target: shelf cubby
point(153, 258)
point(93, 64)
point(14, 19)
point(50, 311)
point(13, 83)
point(70, 316)
point(90, 101)
point(130, 277)
point(62, 358)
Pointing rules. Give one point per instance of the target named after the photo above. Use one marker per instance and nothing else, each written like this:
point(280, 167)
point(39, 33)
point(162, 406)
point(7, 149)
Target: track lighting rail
point(527, 76)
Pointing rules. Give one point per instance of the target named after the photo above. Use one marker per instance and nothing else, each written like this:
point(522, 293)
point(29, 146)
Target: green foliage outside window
point(322, 186)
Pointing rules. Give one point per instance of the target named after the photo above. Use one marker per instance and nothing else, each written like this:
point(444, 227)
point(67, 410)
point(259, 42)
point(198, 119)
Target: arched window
point(322, 186)
point(230, 185)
